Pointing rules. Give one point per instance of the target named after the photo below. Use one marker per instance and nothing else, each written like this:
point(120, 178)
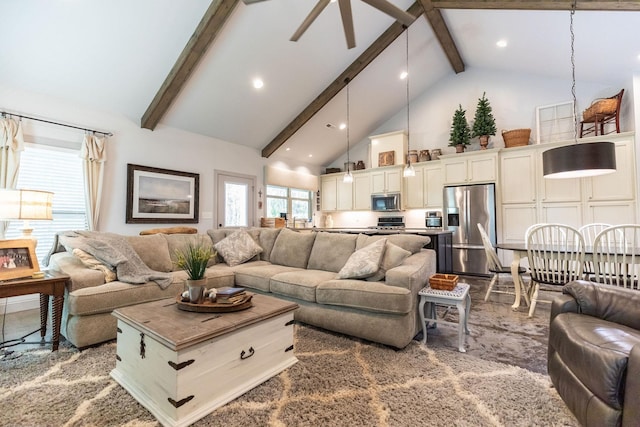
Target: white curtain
point(11, 144)
point(94, 155)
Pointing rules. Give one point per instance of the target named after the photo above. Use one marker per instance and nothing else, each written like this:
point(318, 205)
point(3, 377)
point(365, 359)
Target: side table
point(458, 296)
point(52, 284)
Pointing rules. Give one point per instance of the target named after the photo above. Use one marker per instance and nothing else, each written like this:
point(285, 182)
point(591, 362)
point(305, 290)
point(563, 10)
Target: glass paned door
point(235, 200)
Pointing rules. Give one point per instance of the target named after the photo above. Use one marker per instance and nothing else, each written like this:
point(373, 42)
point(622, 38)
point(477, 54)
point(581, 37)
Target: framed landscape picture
point(17, 259)
point(161, 195)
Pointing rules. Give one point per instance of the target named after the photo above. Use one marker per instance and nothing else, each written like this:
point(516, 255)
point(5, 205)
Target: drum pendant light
point(578, 160)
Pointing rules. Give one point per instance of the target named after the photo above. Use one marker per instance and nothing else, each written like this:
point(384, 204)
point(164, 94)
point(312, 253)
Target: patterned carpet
point(338, 381)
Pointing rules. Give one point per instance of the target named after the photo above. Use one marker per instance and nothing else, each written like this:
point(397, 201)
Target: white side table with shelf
point(458, 297)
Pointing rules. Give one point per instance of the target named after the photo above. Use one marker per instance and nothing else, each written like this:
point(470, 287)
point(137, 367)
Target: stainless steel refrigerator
point(465, 206)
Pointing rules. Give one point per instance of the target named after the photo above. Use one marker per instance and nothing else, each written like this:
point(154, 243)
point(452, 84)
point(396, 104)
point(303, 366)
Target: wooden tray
point(214, 307)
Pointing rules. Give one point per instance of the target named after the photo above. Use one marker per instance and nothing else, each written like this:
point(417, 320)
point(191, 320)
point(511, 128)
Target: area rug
point(338, 381)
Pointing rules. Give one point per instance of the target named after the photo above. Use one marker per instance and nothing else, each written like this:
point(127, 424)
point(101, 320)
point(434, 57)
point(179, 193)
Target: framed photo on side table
point(161, 195)
point(17, 259)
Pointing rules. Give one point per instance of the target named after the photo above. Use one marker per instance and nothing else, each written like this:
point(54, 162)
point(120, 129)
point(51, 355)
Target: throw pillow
point(364, 262)
point(153, 251)
point(237, 248)
point(91, 262)
point(393, 257)
point(292, 248)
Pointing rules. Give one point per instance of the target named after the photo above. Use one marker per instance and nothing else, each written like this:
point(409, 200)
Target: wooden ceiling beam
point(435, 19)
point(612, 5)
point(195, 49)
point(340, 82)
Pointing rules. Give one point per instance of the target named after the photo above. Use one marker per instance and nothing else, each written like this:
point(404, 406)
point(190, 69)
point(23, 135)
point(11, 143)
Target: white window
point(58, 170)
point(294, 202)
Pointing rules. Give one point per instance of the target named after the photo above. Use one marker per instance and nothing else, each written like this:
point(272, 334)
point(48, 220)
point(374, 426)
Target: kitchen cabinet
point(424, 190)
point(386, 180)
point(469, 168)
point(335, 195)
point(518, 176)
point(620, 185)
point(362, 190)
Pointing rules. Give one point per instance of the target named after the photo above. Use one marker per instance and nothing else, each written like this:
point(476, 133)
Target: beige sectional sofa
point(304, 267)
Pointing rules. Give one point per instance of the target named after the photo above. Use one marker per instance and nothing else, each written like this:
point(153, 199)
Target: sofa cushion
point(300, 284)
point(178, 242)
point(153, 251)
point(108, 297)
point(596, 351)
point(292, 248)
point(364, 262)
point(237, 248)
point(258, 277)
point(91, 262)
point(393, 256)
point(369, 296)
point(409, 242)
point(267, 238)
point(331, 251)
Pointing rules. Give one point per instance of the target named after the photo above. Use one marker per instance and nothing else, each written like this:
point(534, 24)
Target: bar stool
point(458, 297)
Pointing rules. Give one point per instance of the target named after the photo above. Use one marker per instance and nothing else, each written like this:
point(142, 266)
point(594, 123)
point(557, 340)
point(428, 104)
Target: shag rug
point(338, 381)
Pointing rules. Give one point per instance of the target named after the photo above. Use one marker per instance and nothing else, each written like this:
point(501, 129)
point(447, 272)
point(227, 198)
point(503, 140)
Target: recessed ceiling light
point(288, 149)
point(403, 75)
point(258, 83)
point(310, 155)
point(501, 43)
point(343, 126)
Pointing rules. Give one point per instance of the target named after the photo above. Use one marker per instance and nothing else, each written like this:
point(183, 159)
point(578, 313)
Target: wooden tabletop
point(178, 329)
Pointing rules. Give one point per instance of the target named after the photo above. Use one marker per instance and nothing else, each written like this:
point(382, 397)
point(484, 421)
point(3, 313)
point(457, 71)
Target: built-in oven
point(433, 219)
point(389, 202)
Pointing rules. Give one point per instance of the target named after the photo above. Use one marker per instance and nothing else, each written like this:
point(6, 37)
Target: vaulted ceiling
point(191, 64)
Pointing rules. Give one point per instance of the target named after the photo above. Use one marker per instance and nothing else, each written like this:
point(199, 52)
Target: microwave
point(389, 202)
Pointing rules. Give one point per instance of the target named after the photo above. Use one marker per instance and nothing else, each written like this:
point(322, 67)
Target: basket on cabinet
point(516, 137)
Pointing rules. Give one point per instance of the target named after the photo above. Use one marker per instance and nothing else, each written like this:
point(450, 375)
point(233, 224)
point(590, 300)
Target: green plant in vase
point(193, 258)
point(484, 124)
point(460, 135)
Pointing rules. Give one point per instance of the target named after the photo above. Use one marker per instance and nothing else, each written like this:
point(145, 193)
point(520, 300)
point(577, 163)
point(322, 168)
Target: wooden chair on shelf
point(616, 257)
point(496, 268)
point(601, 112)
point(556, 257)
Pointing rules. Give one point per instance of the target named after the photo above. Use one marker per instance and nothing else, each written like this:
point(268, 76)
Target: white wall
point(165, 147)
point(513, 99)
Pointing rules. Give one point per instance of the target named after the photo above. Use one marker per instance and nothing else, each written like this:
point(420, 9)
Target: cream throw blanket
point(115, 251)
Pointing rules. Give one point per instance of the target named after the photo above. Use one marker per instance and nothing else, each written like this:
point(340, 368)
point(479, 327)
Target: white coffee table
point(182, 365)
point(458, 297)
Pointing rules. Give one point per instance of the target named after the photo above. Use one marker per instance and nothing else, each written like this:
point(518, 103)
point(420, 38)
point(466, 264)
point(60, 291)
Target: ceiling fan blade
point(319, 7)
point(347, 22)
point(394, 11)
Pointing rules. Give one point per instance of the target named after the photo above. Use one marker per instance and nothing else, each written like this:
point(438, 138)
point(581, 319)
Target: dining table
point(519, 250)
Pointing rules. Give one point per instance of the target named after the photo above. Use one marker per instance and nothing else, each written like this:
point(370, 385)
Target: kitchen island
point(440, 240)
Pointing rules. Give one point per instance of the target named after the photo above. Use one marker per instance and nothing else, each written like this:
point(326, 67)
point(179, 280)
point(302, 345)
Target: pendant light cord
point(407, 70)
point(348, 126)
point(573, 75)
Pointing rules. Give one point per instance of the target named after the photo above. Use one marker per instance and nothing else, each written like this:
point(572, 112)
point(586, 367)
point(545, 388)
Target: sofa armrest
point(607, 302)
point(563, 304)
point(631, 412)
point(81, 275)
point(414, 272)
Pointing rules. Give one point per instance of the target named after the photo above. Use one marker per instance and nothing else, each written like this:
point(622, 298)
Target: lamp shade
point(25, 204)
point(579, 160)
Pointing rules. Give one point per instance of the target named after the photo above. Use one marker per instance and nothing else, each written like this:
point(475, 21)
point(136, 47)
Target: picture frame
point(386, 158)
point(157, 195)
point(17, 259)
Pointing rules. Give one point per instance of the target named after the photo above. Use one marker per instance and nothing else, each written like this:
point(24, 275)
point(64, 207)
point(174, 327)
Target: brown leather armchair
point(594, 353)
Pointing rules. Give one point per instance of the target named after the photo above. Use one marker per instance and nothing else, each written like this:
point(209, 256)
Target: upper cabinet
point(386, 180)
point(424, 190)
point(361, 190)
point(470, 168)
point(335, 195)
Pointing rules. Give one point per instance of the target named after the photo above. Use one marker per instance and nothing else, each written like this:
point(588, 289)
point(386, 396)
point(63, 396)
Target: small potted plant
point(484, 124)
point(460, 135)
point(193, 258)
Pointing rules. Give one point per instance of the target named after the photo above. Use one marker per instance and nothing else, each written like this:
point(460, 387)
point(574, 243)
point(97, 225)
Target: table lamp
point(25, 205)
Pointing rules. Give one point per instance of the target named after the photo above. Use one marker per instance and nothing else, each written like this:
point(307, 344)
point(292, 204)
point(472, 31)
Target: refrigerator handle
point(467, 215)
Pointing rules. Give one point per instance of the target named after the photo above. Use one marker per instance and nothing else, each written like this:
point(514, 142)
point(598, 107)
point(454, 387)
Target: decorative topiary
point(484, 124)
point(460, 132)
